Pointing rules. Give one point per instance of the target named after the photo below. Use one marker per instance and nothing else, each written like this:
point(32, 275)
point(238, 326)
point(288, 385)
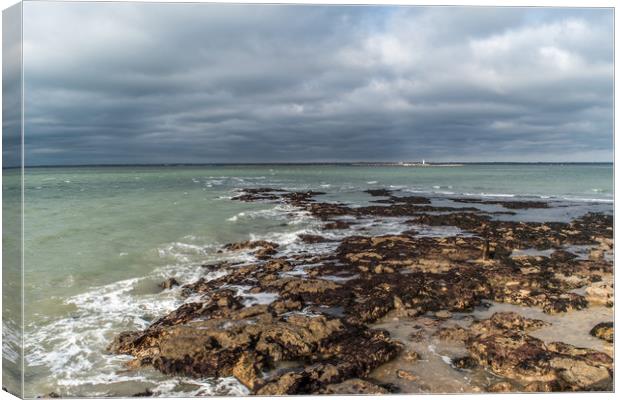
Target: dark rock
point(353, 386)
point(406, 375)
point(502, 346)
point(169, 283)
point(501, 387)
point(313, 238)
point(379, 192)
point(604, 330)
point(145, 393)
point(464, 363)
point(318, 323)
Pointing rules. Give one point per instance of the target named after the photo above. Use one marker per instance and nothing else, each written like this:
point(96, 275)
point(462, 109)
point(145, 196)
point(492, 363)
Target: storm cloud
point(204, 83)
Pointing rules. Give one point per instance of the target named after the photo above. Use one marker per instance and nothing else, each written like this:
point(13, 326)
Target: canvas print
point(252, 199)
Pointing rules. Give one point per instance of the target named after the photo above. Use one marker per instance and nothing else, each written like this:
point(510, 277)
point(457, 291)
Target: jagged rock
point(406, 375)
point(313, 238)
point(379, 192)
point(169, 283)
point(411, 356)
point(145, 393)
point(247, 371)
point(507, 321)
point(604, 330)
point(501, 345)
point(464, 363)
point(353, 386)
point(356, 356)
point(443, 314)
point(600, 293)
point(453, 334)
point(501, 387)
point(596, 254)
point(318, 322)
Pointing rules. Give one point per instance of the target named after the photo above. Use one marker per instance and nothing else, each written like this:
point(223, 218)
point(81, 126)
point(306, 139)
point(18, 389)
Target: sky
point(116, 83)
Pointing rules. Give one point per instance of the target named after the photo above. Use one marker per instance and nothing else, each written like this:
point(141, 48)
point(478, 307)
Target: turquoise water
point(98, 240)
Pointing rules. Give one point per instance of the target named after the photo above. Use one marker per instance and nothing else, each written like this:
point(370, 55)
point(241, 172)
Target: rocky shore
point(319, 322)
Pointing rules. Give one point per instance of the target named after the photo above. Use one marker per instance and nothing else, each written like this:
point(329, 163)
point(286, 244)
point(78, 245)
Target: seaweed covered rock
point(310, 333)
point(604, 331)
point(242, 342)
point(502, 345)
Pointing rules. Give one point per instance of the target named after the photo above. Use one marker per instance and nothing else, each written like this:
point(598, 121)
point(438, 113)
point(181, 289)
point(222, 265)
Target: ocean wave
point(11, 341)
point(281, 212)
point(587, 200)
point(204, 388)
point(73, 348)
point(497, 194)
point(250, 299)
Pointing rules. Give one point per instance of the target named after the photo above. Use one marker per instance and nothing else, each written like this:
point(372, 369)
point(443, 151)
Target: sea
point(99, 240)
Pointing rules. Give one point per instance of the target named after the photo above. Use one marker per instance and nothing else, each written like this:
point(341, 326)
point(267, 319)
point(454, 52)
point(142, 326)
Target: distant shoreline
point(343, 164)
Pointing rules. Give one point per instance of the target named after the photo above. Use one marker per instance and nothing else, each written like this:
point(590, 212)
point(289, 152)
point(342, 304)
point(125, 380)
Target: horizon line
point(347, 163)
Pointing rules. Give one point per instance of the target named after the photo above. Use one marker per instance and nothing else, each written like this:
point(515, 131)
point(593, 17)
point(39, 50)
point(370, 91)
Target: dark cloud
point(11, 87)
point(152, 83)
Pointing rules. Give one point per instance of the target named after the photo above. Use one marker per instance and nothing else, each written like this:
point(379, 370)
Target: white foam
point(250, 299)
point(72, 348)
point(445, 359)
point(335, 278)
point(587, 200)
point(496, 195)
point(11, 340)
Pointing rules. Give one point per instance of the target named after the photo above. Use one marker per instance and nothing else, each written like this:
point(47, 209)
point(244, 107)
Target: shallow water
point(99, 240)
point(434, 371)
point(572, 327)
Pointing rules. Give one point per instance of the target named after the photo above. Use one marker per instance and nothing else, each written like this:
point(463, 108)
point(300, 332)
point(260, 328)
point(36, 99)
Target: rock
point(249, 244)
point(266, 253)
point(514, 322)
point(334, 225)
point(604, 331)
point(356, 356)
point(241, 342)
point(465, 363)
point(265, 249)
point(145, 393)
point(580, 374)
point(411, 356)
point(169, 283)
point(306, 238)
point(274, 349)
point(379, 192)
point(453, 334)
point(257, 194)
point(353, 386)
point(541, 387)
point(507, 204)
point(596, 254)
point(600, 293)
point(406, 375)
point(502, 387)
point(501, 345)
point(246, 371)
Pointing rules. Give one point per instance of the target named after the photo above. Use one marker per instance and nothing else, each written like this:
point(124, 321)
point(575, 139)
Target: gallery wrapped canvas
point(205, 199)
